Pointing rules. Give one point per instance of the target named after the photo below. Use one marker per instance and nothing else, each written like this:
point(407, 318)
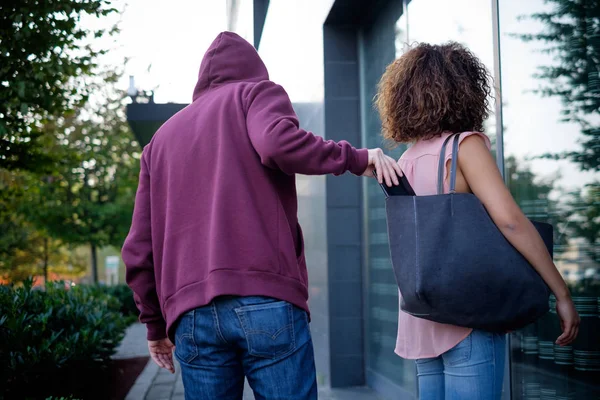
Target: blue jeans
point(264, 339)
point(472, 370)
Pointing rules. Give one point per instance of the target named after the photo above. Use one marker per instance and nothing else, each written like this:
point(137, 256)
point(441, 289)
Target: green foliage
point(125, 302)
point(26, 250)
point(55, 342)
point(586, 218)
point(532, 195)
point(571, 35)
point(61, 398)
point(13, 234)
point(41, 255)
point(89, 199)
point(69, 165)
point(524, 185)
point(45, 56)
point(125, 296)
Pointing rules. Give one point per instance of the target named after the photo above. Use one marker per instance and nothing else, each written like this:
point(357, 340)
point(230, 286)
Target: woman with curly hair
point(428, 94)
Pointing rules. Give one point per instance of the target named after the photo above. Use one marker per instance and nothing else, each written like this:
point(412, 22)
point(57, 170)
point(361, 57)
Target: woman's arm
point(481, 174)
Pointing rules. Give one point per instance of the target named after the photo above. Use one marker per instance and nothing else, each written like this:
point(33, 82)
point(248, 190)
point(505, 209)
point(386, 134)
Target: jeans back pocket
point(269, 328)
point(186, 349)
point(460, 353)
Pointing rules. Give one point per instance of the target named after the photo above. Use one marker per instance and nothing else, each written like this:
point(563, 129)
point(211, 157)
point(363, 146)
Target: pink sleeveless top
point(420, 338)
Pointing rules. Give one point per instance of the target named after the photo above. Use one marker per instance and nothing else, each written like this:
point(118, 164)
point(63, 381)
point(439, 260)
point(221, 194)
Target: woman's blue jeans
point(472, 370)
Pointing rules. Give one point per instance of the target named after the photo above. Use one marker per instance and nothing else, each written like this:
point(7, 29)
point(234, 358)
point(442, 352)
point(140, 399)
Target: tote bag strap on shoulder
point(454, 163)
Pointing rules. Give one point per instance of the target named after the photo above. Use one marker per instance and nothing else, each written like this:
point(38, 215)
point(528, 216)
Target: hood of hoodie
point(229, 59)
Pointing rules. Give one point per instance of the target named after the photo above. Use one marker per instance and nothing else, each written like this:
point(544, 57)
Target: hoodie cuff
point(360, 162)
point(157, 330)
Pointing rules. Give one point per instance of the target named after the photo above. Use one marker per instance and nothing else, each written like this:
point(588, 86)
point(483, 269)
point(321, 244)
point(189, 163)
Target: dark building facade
point(545, 127)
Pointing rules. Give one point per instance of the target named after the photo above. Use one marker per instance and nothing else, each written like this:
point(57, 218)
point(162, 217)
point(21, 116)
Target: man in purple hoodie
point(215, 254)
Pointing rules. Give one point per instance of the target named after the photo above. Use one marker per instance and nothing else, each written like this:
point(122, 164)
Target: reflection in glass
point(378, 49)
point(551, 90)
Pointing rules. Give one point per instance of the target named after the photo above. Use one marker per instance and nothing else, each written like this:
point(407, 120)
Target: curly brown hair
point(433, 89)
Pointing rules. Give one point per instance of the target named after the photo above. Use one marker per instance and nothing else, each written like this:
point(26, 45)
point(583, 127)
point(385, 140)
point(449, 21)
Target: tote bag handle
point(453, 164)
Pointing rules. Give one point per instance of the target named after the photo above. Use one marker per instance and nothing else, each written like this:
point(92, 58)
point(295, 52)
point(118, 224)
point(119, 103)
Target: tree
point(25, 250)
point(532, 195)
point(13, 235)
point(89, 199)
point(571, 35)
point(524, 185)
point(586, 218)
point(43, 59)
point(42, 255)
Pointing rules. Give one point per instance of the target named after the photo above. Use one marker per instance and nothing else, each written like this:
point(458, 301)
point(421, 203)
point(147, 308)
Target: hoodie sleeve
point(275, 134)
point(137, 256)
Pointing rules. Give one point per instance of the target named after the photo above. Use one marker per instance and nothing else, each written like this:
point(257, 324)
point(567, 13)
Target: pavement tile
point(178, 387)
point(165, 378)
point(160, 392)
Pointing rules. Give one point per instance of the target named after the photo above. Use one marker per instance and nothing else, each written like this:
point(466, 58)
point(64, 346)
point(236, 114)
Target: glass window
point(465, 21)
point(550, 52)
point(378, 48)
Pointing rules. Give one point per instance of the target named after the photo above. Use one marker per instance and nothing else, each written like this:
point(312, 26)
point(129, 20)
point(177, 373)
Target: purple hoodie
point(216, 208)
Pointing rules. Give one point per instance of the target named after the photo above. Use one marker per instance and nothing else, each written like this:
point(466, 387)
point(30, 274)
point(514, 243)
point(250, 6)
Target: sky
point(165, 42)
point(171, 38)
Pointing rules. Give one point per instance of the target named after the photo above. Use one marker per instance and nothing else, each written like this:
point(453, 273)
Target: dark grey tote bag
point(454, 266)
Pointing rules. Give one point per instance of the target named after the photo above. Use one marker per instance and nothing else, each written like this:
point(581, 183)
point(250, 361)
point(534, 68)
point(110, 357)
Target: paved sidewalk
point(153, 383)
point(158, 384)
point(166, 386)
point(134, 343)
